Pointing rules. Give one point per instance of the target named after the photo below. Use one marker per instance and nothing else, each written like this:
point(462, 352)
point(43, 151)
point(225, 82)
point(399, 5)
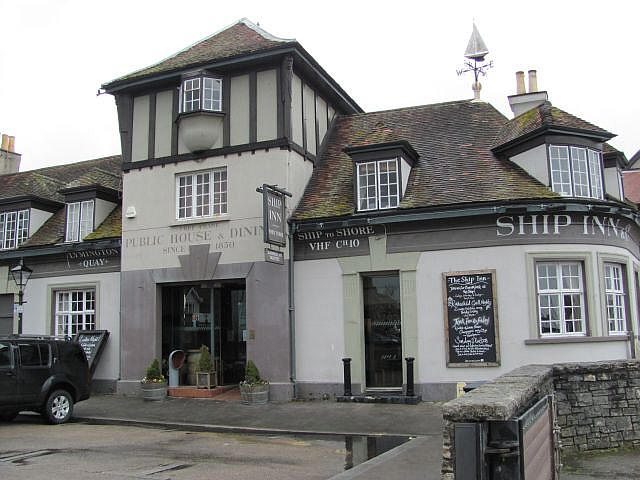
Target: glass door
point(382, 335)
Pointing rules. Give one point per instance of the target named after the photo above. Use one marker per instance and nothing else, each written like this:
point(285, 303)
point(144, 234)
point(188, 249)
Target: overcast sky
point(54, 55)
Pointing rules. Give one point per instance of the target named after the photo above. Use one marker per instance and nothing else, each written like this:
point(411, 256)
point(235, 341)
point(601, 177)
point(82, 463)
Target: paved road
point(31, 450)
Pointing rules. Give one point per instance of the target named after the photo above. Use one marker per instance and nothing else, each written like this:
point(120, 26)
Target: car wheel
point(7, 416)
point(59, 407)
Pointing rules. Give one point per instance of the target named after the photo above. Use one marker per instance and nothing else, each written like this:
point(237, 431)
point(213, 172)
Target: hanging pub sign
point(471, 320)
point(273, 213)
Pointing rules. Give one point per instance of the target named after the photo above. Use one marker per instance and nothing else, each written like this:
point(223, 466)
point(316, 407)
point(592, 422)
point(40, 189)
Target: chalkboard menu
point(471, 320)
point(92, 342)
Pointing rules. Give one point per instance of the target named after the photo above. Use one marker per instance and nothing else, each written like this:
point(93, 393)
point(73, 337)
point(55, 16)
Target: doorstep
point(368, 397)
point(195, 392)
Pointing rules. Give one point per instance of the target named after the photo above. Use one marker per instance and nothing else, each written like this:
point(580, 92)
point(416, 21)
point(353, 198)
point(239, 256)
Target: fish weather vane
point(474, 54)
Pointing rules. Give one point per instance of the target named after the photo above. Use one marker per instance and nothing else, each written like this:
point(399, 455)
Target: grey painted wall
point(611, 185)
point(267, 105)
point(37, 219)
point(239, 114)
point(164, 123)
point(535, 163)
point(140, 140)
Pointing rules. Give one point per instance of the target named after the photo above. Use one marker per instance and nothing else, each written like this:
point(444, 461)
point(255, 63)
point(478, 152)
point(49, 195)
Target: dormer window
point(378, 185)
point(576, 171)
point(79, 220)
point(14, 228)
point(202, 94)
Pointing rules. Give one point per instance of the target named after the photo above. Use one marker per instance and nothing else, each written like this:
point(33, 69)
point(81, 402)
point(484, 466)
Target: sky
point(55, 55)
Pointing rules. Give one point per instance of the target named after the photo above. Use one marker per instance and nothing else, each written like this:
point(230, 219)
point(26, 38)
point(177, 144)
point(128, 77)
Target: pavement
point(622, 464)
point(418, 458)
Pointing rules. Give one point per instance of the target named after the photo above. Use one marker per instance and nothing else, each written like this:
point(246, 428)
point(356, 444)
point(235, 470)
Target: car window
point(5, 355)
point(29, 355)
point(45, 353)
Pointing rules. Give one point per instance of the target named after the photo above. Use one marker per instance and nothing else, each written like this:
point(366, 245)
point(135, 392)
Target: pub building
point(62, 223)
point(200, 131)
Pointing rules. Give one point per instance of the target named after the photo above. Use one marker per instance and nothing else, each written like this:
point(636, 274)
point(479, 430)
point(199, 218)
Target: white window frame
point(560, 293)
point(201, 101)
point(615, 298)
point(80, 224)
point(14, 228)
point(213, 203)
point(378, 185)
point(72, 314)
point(573, 166)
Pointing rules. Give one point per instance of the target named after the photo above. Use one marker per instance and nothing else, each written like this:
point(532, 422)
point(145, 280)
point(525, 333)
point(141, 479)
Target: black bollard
point(410, 387)
point(347, 376)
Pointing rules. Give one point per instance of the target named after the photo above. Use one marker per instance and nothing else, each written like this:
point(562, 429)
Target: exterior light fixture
point(21, 274)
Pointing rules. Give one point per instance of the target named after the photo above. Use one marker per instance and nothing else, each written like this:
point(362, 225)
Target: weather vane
point(475, 53)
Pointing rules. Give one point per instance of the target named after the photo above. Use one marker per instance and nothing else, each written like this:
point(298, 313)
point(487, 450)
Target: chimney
point(522, 101)
point(9, 159)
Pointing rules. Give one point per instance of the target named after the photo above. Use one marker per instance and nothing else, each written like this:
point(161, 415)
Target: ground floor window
point(614, 296)
point(561, 305)
point(75, 310)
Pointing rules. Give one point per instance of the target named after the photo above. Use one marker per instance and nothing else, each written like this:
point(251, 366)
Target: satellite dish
point(476, 48)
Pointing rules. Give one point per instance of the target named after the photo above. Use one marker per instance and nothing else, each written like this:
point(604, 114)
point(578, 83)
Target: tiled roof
point(631, 183)
point(544, 116)
point(110, 228)
point(241, 38)
point(51, 232)
point(456, 165)
point(100, 177)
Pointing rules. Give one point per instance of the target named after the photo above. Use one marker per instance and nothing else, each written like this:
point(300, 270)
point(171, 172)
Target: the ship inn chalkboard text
point(471, 319)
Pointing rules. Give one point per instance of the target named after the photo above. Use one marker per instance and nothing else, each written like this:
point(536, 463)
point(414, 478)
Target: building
point(204, 128)
point(63, 222)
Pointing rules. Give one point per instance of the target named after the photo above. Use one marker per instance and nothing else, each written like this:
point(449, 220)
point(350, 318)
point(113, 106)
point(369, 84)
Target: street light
point(21, 274)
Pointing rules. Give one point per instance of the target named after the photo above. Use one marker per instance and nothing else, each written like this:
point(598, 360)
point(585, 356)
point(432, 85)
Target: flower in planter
point(153, 374)
point(252, 378)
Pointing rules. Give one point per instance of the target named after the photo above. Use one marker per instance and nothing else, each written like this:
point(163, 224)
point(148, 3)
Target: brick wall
point(598, 404)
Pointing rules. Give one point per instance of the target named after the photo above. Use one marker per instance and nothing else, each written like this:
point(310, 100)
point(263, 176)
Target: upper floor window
point(202, 93)
point(614, 295)
point(201, 194)
point(561, 308)
point(79, 220)
point(378, 185)
point(14, 228)
point(576, 171)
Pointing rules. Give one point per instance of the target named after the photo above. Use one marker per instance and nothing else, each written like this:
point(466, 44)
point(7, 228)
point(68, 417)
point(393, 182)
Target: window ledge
point(195, 221)
point(585, 339)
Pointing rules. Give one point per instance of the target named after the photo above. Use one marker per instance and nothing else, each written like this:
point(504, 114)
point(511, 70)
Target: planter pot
point(254, 394)
point(206, 380)
point(154, 391)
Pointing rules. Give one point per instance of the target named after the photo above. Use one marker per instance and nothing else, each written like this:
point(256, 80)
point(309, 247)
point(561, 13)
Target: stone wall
point(598, 404)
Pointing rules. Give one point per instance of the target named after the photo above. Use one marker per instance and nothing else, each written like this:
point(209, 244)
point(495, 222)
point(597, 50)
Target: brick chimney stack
point(9, 158)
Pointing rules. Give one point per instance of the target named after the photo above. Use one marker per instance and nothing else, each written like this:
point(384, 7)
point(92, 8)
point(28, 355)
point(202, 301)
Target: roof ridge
point(244, 20)
point(39, 170)
point(413, 107)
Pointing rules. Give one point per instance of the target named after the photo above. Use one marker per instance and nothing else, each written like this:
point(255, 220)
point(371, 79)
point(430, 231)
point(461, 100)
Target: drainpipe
point(292, 313)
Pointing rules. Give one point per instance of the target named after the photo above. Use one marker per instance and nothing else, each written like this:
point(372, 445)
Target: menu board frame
point(102, 340)
point(496, 323)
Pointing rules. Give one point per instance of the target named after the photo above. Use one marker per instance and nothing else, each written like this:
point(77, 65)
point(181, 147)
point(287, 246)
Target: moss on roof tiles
point(456, 165)
point(110, 228)
point(51, 233)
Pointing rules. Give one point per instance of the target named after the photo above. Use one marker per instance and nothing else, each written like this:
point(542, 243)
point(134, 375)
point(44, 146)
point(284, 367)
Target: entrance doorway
point(382, 331)
point(210, 314)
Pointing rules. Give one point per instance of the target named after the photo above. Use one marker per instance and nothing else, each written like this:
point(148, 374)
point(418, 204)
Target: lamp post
point(21, 274)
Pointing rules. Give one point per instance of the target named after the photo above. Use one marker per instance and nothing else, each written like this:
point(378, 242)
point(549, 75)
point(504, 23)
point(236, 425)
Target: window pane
point(580, 174)
point(185, 200)
point(73, 221)
point(191, 94)
point(29, 355)
point(388, 183)
point(86, 219)
point(560, 298)
point(367, 186)
point(615, 298)
point(220, 191)
point(595, 174)
point(560, 178)
point(23, 227)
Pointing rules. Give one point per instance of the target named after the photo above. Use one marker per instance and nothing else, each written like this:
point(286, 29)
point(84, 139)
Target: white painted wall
point(535, 163)
point(37, 219)
point(140, 134)
point(319, 321)
point(239, 110)
point(296, 109)
point(611, 184)
point(321, 118)
point(38, 312)
point(164, 122)
point(267, 105)
point(406, 170)
point(102, 211)
point(309, 102)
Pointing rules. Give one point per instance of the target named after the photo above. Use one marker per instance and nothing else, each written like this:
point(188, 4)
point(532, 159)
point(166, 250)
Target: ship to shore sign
point(274, 217)
point(471, 320)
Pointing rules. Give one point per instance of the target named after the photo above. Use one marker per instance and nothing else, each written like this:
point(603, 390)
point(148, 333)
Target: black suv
point(42, 374)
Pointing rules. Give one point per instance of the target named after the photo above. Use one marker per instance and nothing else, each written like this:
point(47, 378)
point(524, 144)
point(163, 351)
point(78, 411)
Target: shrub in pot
point(253, 389)
point(206, 376)
point(154, 385)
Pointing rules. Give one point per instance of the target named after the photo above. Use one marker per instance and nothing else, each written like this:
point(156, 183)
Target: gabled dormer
point(557, 148)
point(381, 173)
point(88, 201)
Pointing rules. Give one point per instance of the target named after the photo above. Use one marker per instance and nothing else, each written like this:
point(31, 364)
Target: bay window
point(576, 171)
point(201, 194)
point(201, 93)
point(14, 228)
point(378, 185)
point(614, 298)
point(79, 220)
point(561, 304)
